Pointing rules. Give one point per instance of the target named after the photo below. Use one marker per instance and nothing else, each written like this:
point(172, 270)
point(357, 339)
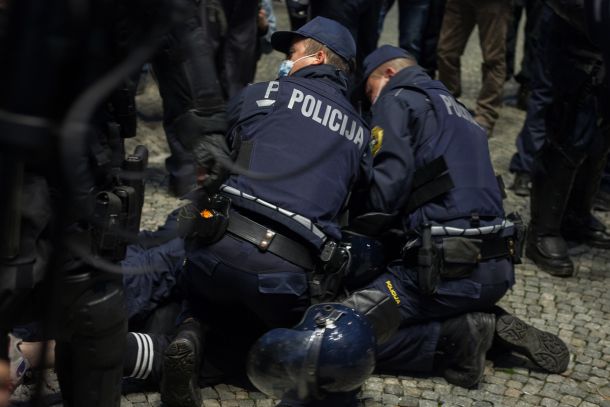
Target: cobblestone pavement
point(577, 308)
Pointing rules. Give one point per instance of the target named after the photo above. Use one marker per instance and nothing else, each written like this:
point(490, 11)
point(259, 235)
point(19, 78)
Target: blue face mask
point(286, 66)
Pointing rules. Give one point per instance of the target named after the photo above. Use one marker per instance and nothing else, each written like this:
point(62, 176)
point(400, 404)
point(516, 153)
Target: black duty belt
point(268, 240)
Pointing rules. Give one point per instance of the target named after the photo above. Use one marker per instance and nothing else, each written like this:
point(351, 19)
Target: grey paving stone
point(136, 397)
point(408, 401)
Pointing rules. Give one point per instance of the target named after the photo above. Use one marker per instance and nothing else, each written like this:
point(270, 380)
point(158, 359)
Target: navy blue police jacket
point(416, 120)
point(301, 121)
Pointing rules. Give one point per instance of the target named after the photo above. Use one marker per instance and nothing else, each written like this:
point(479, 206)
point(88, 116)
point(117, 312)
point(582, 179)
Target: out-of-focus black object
point(65, 105)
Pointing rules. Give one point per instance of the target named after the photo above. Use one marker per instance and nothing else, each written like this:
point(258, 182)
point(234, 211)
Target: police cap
point(382, 55)
point(324, 30)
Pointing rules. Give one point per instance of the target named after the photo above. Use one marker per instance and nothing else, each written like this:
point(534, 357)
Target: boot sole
point(546, 350)
point(542, 263)
point(178, 387)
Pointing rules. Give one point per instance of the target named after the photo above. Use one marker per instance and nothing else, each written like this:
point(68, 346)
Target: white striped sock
point(145, 352)
point(138, 357)
point(151, 352)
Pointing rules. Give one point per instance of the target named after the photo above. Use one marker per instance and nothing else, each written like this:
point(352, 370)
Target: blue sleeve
point(393, 163)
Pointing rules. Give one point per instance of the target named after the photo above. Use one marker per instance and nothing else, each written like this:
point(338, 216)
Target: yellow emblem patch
point(376, 139)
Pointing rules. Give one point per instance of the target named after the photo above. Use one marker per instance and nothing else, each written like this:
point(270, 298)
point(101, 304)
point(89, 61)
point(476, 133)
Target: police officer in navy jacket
point(255, 277)
point(432, 167)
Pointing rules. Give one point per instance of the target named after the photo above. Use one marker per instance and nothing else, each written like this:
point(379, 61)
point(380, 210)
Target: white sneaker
point(19, 364)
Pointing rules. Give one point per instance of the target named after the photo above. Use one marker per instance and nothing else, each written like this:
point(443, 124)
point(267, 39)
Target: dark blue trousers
point(413, 347)
point(412, 20)
point(533, 133)
point(240, 293)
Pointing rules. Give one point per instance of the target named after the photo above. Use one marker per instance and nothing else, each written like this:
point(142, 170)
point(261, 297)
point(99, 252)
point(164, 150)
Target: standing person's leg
point(386, 5)
point(430, 36)
point(458, 23)
point(413, 16)
point(602, 200)
point(239, 48)
point(580, 224)
point(492, 20)
point(533, 133)
point(193, 103)
point(511, 38)
point(368, 36)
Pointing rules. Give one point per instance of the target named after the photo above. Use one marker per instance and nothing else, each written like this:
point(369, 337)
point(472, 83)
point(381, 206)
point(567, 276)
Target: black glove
point(209, 151)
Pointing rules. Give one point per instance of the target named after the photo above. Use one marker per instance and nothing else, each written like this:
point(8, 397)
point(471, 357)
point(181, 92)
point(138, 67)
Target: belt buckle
point(263, 245)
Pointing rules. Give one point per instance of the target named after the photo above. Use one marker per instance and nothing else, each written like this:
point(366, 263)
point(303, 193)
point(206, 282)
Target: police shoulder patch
point(376, 139)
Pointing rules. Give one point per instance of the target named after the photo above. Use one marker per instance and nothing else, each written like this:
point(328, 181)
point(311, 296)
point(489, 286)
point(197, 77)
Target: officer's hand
point(208, 152)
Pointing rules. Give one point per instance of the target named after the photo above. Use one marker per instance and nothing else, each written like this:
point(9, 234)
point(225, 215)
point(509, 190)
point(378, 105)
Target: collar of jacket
point(405, 77)
point(326, 73)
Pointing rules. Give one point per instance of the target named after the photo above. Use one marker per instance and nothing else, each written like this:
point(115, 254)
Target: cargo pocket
point(282, 283)
point(459, 288)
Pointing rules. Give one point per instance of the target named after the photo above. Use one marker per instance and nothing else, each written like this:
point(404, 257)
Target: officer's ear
point(321, 57)
point(389, 72)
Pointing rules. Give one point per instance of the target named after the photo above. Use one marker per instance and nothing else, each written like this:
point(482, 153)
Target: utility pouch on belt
point(326, 280)
point(209, 223)
point(429, 263)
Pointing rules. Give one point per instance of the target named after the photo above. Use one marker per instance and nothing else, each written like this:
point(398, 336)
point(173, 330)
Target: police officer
point(255, 277)
point(567, 172)
point(432, 167)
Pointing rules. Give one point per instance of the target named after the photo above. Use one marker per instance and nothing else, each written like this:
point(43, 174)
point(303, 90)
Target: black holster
point(205, 220)
point(429, 263)
point(326, 280)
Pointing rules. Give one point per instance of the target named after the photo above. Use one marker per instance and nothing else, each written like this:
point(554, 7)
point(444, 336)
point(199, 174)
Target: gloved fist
point(209, 151)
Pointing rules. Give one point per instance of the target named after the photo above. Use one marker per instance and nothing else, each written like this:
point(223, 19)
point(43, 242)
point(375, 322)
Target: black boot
point(552, 180)
point(586, 229)
point(462, 346)
point(522, 184)
point(181, 362)
point(546, 350)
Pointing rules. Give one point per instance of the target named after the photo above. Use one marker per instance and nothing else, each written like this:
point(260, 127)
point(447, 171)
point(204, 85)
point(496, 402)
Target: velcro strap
point(429, 191)
point(429, 171)
point(268, 240)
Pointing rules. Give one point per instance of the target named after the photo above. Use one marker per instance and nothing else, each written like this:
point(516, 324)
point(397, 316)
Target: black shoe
point(522, 184)
point(602, 201)
point(586, 229)
point(523, 95)
point(550, 253)
point(546, 350)
point(462, 346)
point(181, 361)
